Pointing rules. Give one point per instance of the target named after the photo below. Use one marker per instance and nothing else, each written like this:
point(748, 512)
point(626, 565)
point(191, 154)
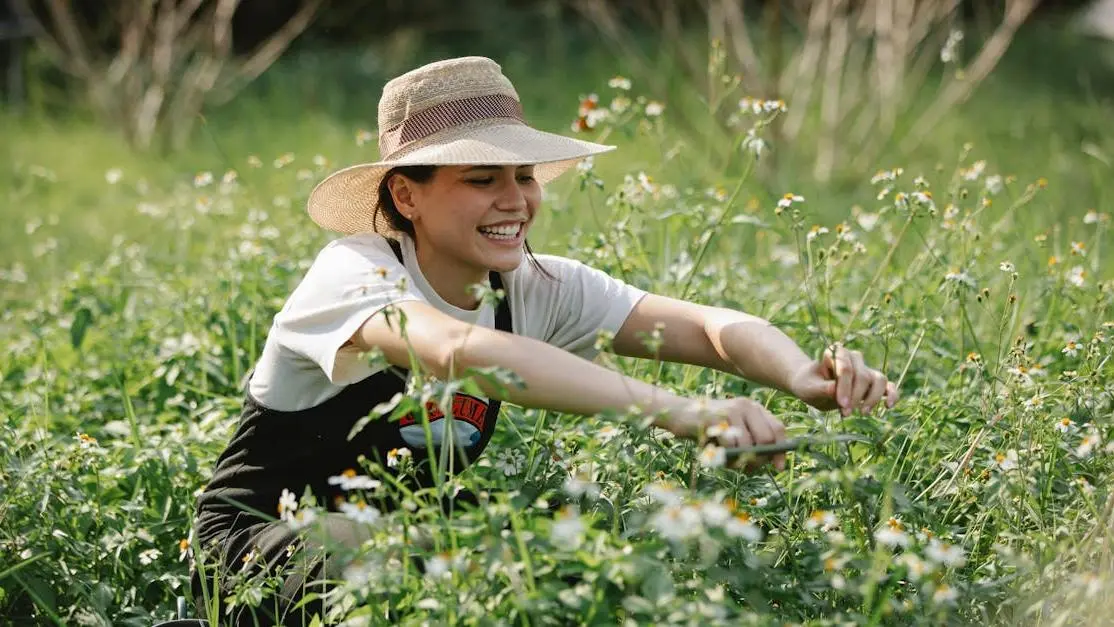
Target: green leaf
point(81, 320)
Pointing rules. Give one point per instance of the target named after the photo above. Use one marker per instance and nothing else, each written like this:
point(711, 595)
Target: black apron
point(276, 450)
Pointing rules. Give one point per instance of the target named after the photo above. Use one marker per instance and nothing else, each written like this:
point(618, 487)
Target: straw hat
point(453, 112)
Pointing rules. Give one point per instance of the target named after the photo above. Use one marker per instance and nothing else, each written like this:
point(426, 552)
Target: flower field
point(983, 497)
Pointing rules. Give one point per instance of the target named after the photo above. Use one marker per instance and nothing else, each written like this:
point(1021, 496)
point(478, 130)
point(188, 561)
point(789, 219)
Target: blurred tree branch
point(855, 68)
point(168, 59)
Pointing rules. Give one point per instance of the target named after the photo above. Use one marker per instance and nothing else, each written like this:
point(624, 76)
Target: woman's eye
point(483, 181)
point(525, 178)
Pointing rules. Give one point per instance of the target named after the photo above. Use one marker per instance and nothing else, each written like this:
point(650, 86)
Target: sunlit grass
point(985, 290)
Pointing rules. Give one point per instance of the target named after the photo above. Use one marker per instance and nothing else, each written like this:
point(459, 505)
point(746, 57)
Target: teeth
point(501, 231)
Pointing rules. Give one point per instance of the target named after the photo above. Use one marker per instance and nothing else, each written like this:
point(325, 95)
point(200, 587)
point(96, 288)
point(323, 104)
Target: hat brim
point(345, 201)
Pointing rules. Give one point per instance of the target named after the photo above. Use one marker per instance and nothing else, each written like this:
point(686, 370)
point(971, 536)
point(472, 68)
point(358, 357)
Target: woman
point(448, 207)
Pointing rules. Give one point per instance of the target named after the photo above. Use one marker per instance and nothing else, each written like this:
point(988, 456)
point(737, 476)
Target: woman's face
point(475, 215)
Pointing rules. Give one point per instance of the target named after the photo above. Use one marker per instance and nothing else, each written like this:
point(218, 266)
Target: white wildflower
point(567, 531)
point(753, 144)
point(741, 526)
point(288, 503)
point(359, 511)
point(85, 441)
point(349, 480)
point(723, 430)
point(975, 171)
point(715, 513)
point(816, 231)
point(677, 522)
point(950, 52)
point(1077, 276)
point(654, 109)
point(300, 518)
point(607, 433)
point(146, 558)
point(1087, 445)
point(787, 200)
point(915, 566)
point(867, 221)
point(580, 484)
point(511, 462)
point(439, 566)
point(395, 455)
point(822, 519)
point(960, 276)
point(945, 594)
point(945, 554)
point(1006, 266)
point(892, 534)
point(664, 493)
point(113, 176)
point(713, 456)
point(1005, 461)
point(619, 82)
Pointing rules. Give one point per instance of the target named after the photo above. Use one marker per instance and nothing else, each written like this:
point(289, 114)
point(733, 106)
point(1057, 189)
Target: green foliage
point(983, 496)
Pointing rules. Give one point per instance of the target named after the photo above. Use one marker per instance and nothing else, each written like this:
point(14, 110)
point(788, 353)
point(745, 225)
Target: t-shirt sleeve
point(350, 281)
point(584, 301)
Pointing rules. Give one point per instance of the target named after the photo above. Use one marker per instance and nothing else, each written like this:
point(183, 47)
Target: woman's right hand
point(733, 422)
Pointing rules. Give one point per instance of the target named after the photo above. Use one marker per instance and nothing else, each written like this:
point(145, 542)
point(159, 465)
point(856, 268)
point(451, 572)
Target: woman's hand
point(841, 380)
point(734, 422)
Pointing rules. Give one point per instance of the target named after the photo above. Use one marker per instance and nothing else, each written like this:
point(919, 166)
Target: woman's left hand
point(842, 380)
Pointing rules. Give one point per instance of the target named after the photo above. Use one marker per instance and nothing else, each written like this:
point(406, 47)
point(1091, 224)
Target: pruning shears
point(794, 444)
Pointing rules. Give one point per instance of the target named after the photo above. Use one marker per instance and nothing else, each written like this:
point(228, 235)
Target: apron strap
point(502, 311)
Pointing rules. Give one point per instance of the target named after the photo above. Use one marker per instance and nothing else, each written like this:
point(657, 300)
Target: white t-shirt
point(352, 278)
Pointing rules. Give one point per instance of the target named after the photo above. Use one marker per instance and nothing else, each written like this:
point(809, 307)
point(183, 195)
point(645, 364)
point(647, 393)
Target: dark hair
point(422, 174)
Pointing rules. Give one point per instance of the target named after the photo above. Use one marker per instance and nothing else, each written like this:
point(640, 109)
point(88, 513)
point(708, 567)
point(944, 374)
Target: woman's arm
point(749, 346)
point(554, 378)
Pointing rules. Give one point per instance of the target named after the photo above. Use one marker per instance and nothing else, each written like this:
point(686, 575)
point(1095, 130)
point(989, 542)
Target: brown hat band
point(447, 115)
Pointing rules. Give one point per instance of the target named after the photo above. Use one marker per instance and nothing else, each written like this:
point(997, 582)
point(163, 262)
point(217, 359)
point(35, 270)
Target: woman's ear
point(402, 193)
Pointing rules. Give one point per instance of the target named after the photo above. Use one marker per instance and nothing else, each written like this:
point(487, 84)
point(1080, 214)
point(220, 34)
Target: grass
point(982, 498)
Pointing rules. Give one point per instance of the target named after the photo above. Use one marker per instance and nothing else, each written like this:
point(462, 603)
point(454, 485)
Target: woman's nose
point(511, 198)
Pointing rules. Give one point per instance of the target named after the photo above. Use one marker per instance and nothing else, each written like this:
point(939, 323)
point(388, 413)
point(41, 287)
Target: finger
point(758, 421)
point(779, 436)
point(737, 435)
point(743, 439)
point(877, 391)
point(845, 378)
point(827, 362)
point(863, 379)
point(892, 394)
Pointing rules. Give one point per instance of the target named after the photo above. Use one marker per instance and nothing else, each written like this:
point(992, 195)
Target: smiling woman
point(458, 189)
point(447, 208)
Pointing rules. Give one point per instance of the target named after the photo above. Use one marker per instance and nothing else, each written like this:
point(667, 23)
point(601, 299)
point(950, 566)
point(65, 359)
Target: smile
point(503, 232)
